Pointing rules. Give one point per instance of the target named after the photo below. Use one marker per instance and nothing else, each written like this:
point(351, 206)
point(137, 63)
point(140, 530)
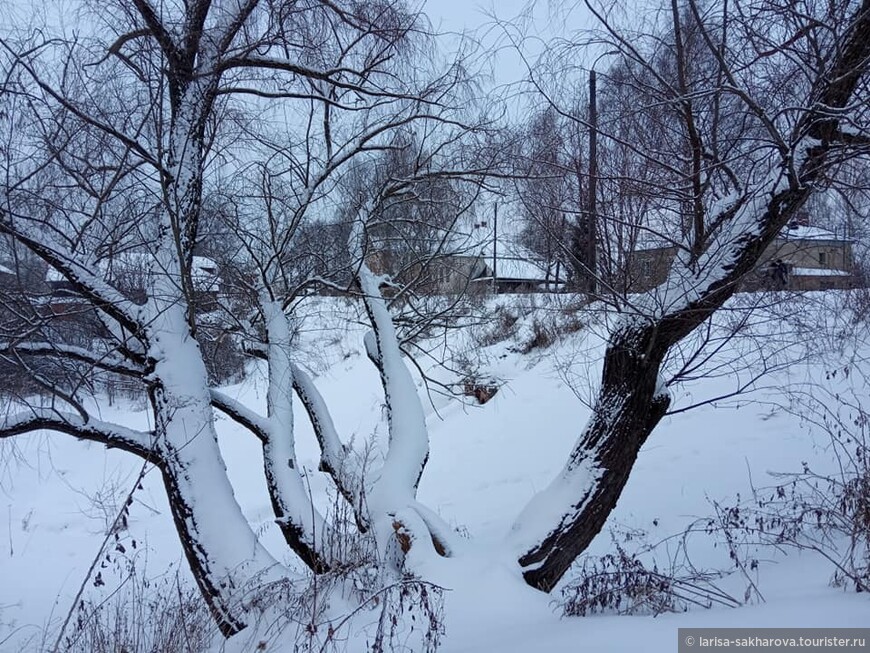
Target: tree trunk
point(304, 529)
point(629, 405)
point(223, 551)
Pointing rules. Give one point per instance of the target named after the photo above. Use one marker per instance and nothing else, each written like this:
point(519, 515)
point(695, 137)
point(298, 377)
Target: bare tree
point(104, 134)
point(747, 110)
point(752, 109)
point(550, 186)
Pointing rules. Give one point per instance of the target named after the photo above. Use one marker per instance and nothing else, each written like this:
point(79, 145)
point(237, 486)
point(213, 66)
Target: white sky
point(456, 15)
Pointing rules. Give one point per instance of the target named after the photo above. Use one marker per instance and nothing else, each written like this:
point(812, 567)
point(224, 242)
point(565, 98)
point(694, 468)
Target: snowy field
point(58, 498)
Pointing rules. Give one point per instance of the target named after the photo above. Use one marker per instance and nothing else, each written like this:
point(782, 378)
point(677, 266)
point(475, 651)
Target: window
point(646, 268)
point(823, 258)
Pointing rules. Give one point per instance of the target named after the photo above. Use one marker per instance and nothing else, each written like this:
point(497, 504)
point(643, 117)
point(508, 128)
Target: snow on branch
point(107, 361)
point(112, 435)
point(83, 278)
point(240, 414)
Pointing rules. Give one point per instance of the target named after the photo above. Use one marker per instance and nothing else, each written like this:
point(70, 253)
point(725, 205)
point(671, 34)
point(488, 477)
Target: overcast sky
point(456, 15)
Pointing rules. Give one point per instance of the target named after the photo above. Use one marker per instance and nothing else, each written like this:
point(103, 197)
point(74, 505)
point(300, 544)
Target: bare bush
point(621, 582)
point(500, 326)
point(824, 512)
point(143, 616)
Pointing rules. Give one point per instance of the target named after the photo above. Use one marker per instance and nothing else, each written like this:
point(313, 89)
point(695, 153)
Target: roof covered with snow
point(805, 232)
point(819, 272)
point(652, 242)
point(516, 269)
point(512, 261)
point(204, 271)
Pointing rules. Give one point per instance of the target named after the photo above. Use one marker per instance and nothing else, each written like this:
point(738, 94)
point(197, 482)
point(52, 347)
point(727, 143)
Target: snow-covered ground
point(58, 496)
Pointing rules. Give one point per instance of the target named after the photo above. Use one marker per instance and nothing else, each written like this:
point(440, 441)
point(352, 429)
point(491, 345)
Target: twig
point(98, 556)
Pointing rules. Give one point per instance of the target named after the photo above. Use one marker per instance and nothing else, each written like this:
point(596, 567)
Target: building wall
point(649, 268)
point(819, 282)
point(819, 254)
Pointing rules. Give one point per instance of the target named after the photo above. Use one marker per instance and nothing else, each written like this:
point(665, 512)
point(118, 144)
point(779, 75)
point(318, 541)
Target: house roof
point(805, 232)
point(819, 272)
point(5, 270)
point(514, 269)
point(513, 262)
point(648, 241)
point(204, 271)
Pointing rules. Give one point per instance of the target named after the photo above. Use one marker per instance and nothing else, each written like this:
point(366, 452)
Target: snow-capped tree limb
point(408, 446)
point(305, 530)
point(391, 498)
point(336, 459)
point(140, 443)
point(241, 414)
point(107, 361)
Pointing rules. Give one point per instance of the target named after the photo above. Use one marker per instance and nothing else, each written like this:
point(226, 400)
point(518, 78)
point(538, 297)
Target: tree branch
point(240, 414)
point(140, 443)
point(336, 459)
point(107, 362)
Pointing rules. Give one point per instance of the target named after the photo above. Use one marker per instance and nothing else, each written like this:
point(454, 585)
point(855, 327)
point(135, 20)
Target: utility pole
point(591, 217)
point(559, 258)
point(495, 248)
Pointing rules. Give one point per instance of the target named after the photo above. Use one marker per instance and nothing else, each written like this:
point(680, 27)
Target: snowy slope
point(485, 463)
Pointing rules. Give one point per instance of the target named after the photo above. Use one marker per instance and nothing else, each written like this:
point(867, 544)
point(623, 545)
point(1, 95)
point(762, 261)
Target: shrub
point(142, 617)
point(621, 583)
point(537, 336)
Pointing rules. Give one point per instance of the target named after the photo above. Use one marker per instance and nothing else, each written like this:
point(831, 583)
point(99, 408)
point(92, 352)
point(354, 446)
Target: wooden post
point(591, 217)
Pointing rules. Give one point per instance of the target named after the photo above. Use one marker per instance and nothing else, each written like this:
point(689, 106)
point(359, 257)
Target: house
point(468, 258)
point(132, 272)
point(512, 269)
point(800, 258)
point(811, 259)
point(479, 259)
